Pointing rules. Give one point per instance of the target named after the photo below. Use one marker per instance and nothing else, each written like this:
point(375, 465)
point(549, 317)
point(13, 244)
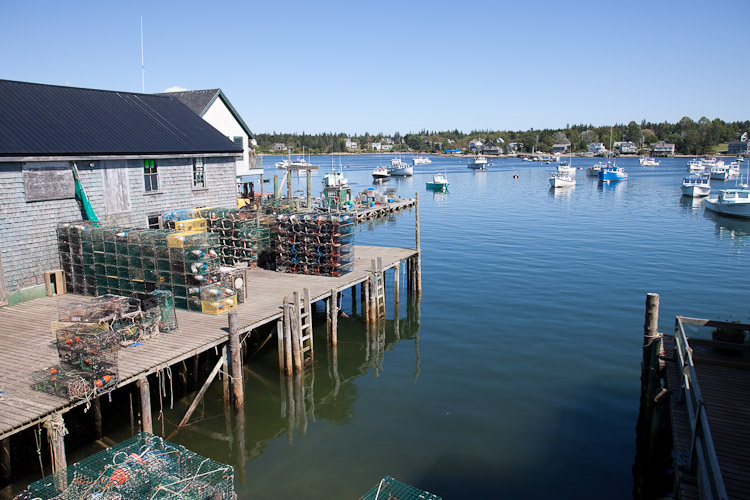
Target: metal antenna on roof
point(143, 71)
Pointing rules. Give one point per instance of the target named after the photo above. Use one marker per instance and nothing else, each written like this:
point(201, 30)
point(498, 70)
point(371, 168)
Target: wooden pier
point(699, 387)
point(383, 210)
point(26, 342)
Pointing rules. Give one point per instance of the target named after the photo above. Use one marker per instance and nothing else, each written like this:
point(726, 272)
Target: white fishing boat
point(593, 170)
point(420, 160)
point(479, 162)
point(648, 161)
point(734, 202)
point(439, 182)
point(561, 180)
point(334, 178)
point(564, 166)
point(695, 165)
point(399, 168)
point(722, 172)
point(381, 174)
point(696, 185)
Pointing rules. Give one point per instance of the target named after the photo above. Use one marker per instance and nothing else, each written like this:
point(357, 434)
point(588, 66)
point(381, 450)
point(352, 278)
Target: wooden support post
point(366, 286)
point(6, 473)
point(396, 272)
point(56, 432)
point(334, 317)
point(276, 193)
point(287, 337)
point(280, 342)
point(235, 355)
point(354, 299)
point(227, 393)
point(296, 334)
point(418, 270)
point(196, 371)
point(146, 422)
point(309, 189)
point(96, 417)
point(328, 302)
point(289, 184)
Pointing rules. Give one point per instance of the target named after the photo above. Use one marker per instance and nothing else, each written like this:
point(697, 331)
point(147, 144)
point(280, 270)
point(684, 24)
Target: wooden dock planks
point(725, 390)
point(26, 339)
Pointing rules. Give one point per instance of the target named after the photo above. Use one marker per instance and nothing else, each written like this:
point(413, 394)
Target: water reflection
point(440, 197)
point(690, 202)
point(730, 228)
point(561, 193)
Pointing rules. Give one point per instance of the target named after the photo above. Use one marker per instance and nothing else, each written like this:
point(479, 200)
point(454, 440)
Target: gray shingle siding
point(28, 241)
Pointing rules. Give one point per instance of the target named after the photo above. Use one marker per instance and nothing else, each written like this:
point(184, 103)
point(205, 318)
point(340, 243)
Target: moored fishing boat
point(695, 165)
point(593, 170)
point(565, 166)
point(561, 180)
point(381, 174)
point(696, 185)
point(648, 161)
point(478, 163)
point(420, 160)
point(399, 168)
point(439, 182)
point(734, 202)
point(612, 173)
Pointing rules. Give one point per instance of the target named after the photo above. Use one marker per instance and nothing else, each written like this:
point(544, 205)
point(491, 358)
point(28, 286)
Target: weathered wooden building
point(136, 156)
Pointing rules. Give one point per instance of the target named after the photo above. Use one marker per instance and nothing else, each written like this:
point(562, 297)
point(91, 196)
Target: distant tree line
point(690, 137)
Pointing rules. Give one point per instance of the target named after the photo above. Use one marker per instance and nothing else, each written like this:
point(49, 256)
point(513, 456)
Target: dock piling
point(276, 194)
point(296, 312)
point(396, 272)
point(236, 360)
point(309, 189)
point(5, 468)
point(418, 271)
point(334, 318)
point(146, 422)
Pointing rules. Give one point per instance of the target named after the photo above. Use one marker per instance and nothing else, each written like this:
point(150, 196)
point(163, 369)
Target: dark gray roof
point(197, 100)
point(200, 100)
point(48, 120)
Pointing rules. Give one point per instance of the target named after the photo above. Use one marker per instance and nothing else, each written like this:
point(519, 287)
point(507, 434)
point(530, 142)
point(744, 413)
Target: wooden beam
point(334, 317)
point(200, 394)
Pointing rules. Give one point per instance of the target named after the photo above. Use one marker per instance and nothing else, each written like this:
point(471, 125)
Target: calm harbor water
point(517, 376)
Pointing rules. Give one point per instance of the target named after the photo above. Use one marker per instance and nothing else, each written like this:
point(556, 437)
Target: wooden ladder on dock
point(303, 311)
point(379, 289)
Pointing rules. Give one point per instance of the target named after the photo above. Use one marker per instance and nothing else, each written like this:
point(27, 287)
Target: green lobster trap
point(389, 488)
point(144, 466)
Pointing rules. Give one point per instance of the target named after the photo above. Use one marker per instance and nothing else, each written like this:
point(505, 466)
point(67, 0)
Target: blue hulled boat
point(612, 173)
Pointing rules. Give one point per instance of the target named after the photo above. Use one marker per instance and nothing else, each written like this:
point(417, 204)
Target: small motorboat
point(439, 182)
point(400, 168)
point(420, 160)
point(593, 170)
point(561, 180)
point(648, 161)
point(696, 185)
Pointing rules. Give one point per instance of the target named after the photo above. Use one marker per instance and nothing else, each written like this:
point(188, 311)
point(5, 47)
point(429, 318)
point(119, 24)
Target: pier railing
point(703, 460)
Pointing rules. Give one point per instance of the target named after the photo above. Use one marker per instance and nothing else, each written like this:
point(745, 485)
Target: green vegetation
point(690, 137)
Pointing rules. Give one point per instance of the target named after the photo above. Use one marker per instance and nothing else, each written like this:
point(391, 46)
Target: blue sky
point(300, 66)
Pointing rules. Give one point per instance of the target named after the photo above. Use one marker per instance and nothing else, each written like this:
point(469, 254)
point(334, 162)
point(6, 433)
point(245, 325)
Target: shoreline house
point(597, 149)
point(136, 156)
point(559, 148)
point(213, 106)
point(740, 147)
point(662, 148)
point(625, 147)
point(491, 149)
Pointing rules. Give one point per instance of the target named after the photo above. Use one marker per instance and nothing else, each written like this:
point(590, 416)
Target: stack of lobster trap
point(319, 244)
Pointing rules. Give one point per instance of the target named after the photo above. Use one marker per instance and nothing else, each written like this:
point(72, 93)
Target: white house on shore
point(597, 148)
point(662, 148)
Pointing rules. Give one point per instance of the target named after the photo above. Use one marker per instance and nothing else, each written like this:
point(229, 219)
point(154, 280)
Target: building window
point(153, 221)
point(238, 141)
point(150, 175)
point(199, 173)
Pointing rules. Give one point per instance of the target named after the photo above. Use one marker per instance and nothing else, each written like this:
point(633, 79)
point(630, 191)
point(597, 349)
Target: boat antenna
point(143, 70)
